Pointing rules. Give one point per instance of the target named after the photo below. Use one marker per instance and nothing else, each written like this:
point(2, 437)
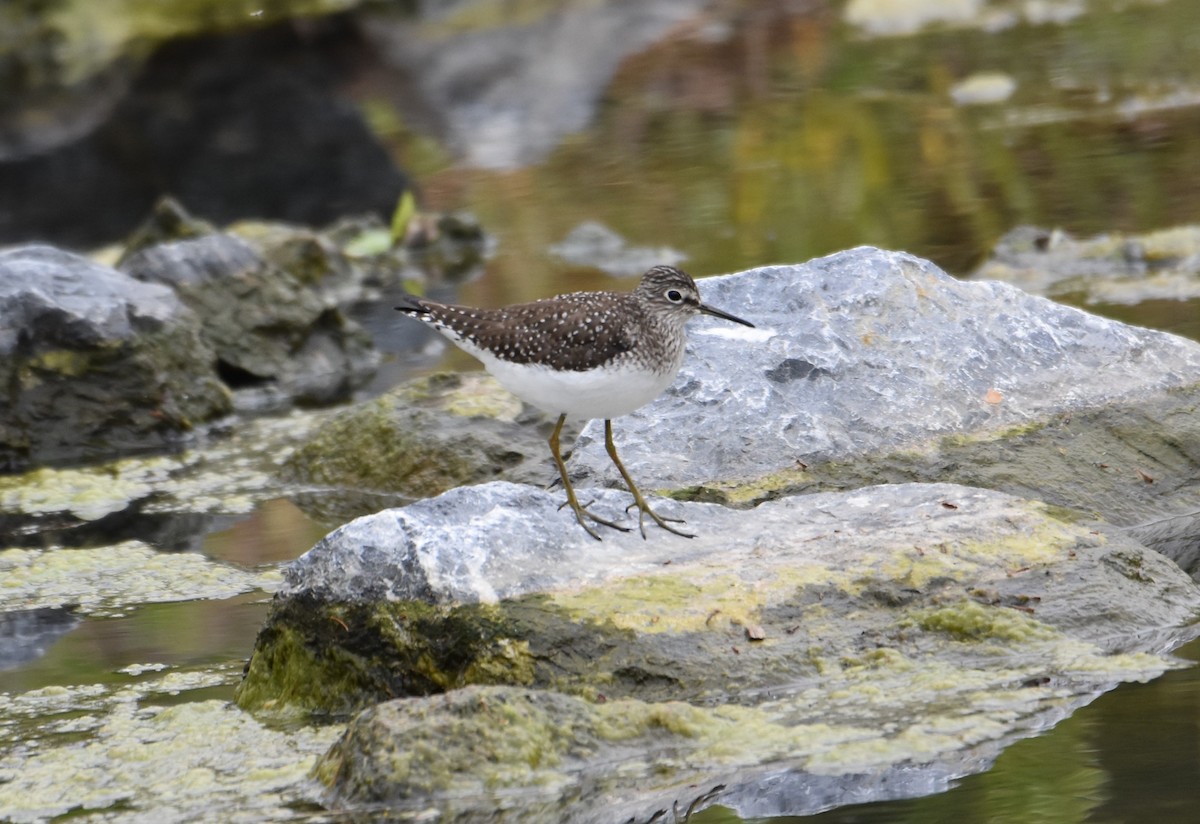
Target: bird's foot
point(663, 521)
point(581, 511)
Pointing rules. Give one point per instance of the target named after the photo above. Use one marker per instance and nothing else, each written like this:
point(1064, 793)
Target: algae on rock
point(428, 435)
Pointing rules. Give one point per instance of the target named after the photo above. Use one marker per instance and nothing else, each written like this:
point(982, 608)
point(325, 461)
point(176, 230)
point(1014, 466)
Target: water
point(772, 132)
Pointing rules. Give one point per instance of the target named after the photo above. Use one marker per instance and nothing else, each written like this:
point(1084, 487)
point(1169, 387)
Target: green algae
point(67, 363)
point(399, 460)
point(668, 603)
point(100, 748)
point(1040, 542)
point(465, 394)
point(404, 442)
point(683, 630)
point(104, 580)
point(333, 659)
point(88, 493)
point(892, 711)
point(228, 476)
point(972, 621)
point(300, 680)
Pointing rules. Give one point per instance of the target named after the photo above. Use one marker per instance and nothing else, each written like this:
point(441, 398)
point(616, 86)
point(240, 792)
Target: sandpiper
point(585, 354)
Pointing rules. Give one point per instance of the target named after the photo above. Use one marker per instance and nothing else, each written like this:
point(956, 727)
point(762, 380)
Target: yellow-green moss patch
point(972, 621)
point(114, 577)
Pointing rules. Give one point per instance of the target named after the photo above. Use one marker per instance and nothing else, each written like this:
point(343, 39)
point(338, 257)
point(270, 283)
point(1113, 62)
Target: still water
point(776, 132)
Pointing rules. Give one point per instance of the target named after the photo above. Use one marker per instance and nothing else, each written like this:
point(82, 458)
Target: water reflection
point(55, 646)
point(781, 139)
point(276, 532)
point(186, 634)
point(25, 635)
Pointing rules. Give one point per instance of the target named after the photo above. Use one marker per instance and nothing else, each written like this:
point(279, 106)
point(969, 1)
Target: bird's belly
point(595, 393)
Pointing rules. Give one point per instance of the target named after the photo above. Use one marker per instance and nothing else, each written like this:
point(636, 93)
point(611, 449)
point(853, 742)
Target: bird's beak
point(717, 313)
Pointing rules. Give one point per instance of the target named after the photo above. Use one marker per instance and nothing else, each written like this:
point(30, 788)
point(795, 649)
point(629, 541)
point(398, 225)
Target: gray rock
point(95, 363)
point(277, 329)
point(866, 352)
point(594, 244)
point(905, 633)
point(499, 540)
point(839, 646)
point(426, 436)
point(1112, 268)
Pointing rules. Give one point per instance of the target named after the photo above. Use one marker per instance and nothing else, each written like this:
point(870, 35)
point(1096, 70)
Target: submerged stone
point(1113, 268)
point(132, 751)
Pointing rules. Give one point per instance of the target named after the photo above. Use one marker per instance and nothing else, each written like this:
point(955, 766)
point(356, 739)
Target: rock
point(874, 367)
point(429, 435)
point(839, 645)
point(594, 244)
point(270, 310)
point(867, 351)
point(1113, 268)
point(95, 363)
point(906, 628)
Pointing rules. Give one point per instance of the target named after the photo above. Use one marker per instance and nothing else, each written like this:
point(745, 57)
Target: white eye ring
point(674, 295)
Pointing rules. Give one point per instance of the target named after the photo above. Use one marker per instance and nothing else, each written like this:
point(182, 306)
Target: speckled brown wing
point(574, 332)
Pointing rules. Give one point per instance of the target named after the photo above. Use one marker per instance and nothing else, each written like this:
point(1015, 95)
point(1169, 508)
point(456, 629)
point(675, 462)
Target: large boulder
point(872, 367)
point(834, 643)
point(867, 352)
point(95, 363)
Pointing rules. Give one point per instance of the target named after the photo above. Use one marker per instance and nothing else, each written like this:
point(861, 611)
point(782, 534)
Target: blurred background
point(724, 134)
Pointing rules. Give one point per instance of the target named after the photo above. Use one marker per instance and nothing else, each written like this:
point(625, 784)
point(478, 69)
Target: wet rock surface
point(95, 363)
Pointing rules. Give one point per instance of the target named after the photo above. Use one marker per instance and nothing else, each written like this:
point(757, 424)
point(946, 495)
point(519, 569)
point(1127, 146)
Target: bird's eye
point(674, 295)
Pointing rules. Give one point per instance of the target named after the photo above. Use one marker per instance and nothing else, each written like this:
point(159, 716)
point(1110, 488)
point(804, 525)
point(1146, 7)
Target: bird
point(585, 355)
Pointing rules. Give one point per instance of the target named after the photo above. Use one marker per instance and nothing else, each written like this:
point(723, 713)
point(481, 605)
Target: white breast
point(595, 393)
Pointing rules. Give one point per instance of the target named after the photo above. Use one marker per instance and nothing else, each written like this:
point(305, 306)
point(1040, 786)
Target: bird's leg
point(638, 501)
point(580, 511)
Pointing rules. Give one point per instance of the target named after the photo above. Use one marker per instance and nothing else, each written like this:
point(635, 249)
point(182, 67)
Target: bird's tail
point(411, 304)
